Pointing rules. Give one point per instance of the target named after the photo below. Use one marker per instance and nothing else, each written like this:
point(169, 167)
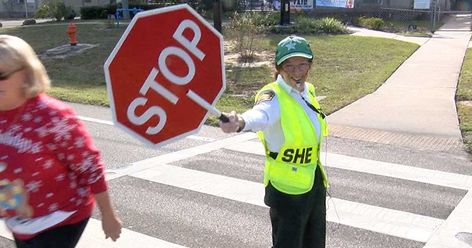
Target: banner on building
point(335, 3)
point(422, 4)
point(301, 4)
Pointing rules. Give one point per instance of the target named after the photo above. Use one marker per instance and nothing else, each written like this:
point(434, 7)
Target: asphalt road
point(206, 191)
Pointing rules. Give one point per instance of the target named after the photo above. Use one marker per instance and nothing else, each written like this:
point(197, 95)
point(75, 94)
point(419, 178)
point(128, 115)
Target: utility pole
point(433, 6)
point(125, 8)
point(26, 9)
point(285, 12)
point(217, 15)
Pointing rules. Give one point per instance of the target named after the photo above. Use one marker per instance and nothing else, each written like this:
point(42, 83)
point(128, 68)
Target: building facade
point(19, 8)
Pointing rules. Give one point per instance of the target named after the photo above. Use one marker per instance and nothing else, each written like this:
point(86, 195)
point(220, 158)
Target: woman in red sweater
point(50, 171)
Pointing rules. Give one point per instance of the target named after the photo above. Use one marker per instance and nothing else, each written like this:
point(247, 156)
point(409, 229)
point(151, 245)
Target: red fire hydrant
point(72, 32)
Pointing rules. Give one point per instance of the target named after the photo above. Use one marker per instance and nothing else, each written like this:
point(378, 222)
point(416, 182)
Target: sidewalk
point(373, 33)
point(418, 100)
point(18, 22)
point(419, 97)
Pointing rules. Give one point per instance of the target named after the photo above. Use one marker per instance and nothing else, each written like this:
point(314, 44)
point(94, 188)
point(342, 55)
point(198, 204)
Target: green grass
point(423, 27)
point(77, 78)
point(464, 100)
point(345, 67)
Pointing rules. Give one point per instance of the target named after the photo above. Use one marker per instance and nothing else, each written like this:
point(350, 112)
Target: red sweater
point(44, 145)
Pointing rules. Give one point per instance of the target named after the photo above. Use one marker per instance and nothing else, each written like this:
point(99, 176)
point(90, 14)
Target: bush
point(304, 24)
point(58, 10)
point(55, 9)
point(43, 11)
point(70, 13)
point(371, 22)
point(245, 27)
point(97, 12)
point(329, 25)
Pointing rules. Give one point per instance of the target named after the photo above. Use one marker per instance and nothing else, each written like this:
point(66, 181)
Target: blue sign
point(335, 3)
point(422, 4)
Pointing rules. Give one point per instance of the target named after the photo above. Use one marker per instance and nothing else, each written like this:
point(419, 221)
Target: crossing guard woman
point(291, 126)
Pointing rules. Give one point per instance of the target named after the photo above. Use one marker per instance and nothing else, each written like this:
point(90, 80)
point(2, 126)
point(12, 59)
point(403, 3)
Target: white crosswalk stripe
point(392, 222)
point(445, 179)
point(93, 237)
point(373, 218)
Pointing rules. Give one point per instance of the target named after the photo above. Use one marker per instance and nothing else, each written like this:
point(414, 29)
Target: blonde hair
point(16, 54)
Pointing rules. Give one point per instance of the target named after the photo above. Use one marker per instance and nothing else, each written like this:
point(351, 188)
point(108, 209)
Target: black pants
point(298, 221)
point(61, 237)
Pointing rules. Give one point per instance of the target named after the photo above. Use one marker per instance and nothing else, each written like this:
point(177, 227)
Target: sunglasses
point(299, 67)
point(7, 75)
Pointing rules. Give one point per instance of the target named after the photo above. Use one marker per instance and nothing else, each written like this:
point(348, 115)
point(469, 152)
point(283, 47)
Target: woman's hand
point(233, 124)
point(111, 226)
point(110, 223)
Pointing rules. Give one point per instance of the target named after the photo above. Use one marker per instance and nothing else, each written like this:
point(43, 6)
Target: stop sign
point(163, 55)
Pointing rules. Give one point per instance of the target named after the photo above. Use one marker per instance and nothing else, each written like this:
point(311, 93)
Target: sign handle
point(204, 104)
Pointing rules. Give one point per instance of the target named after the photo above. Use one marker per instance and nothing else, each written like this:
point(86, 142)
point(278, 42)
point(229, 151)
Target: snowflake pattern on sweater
point(43, 144)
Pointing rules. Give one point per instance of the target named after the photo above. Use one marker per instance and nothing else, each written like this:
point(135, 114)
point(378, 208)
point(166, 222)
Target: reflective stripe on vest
point(293, 171)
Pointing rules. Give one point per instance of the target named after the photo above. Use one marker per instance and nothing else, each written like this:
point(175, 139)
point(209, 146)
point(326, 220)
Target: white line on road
point(178, 155)
point(84, 118)
point(392, 222)
point(110, 123)
point(441, 178)
point(459, 221)
point(93, 237)
point(377, 219)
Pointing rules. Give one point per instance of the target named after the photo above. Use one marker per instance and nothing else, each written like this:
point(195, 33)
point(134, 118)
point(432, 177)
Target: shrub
point(70, 13)
point(43, 11)
point(55, 9)
point(245, 27)
point(329, 25)
point(96, 12)
point(304, 24)
point(266, 19)
point(371, 22)
point(58, 10)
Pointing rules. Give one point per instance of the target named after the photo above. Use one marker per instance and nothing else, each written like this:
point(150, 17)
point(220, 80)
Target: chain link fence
point(384, 16)
point(418, 20)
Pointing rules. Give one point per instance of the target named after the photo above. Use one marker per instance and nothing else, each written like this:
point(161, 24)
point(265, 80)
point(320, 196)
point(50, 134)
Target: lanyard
point(314, 108)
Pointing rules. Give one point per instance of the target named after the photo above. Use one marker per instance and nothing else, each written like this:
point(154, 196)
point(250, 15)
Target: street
point(206, 190)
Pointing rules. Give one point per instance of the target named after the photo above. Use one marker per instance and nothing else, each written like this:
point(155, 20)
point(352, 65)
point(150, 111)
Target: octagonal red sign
point(162, 55)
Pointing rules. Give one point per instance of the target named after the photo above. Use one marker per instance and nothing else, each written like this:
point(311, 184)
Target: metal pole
point(217, 15)
point(285, 12)
point(432, 7)
point(282, 11)
point(125, 6)
point(436, 14)
point(26, 9)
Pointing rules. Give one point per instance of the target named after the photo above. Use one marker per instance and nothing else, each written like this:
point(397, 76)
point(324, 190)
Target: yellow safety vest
point(293, 171)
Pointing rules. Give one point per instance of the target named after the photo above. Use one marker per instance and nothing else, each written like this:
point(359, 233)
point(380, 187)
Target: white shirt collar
point(280, 80)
